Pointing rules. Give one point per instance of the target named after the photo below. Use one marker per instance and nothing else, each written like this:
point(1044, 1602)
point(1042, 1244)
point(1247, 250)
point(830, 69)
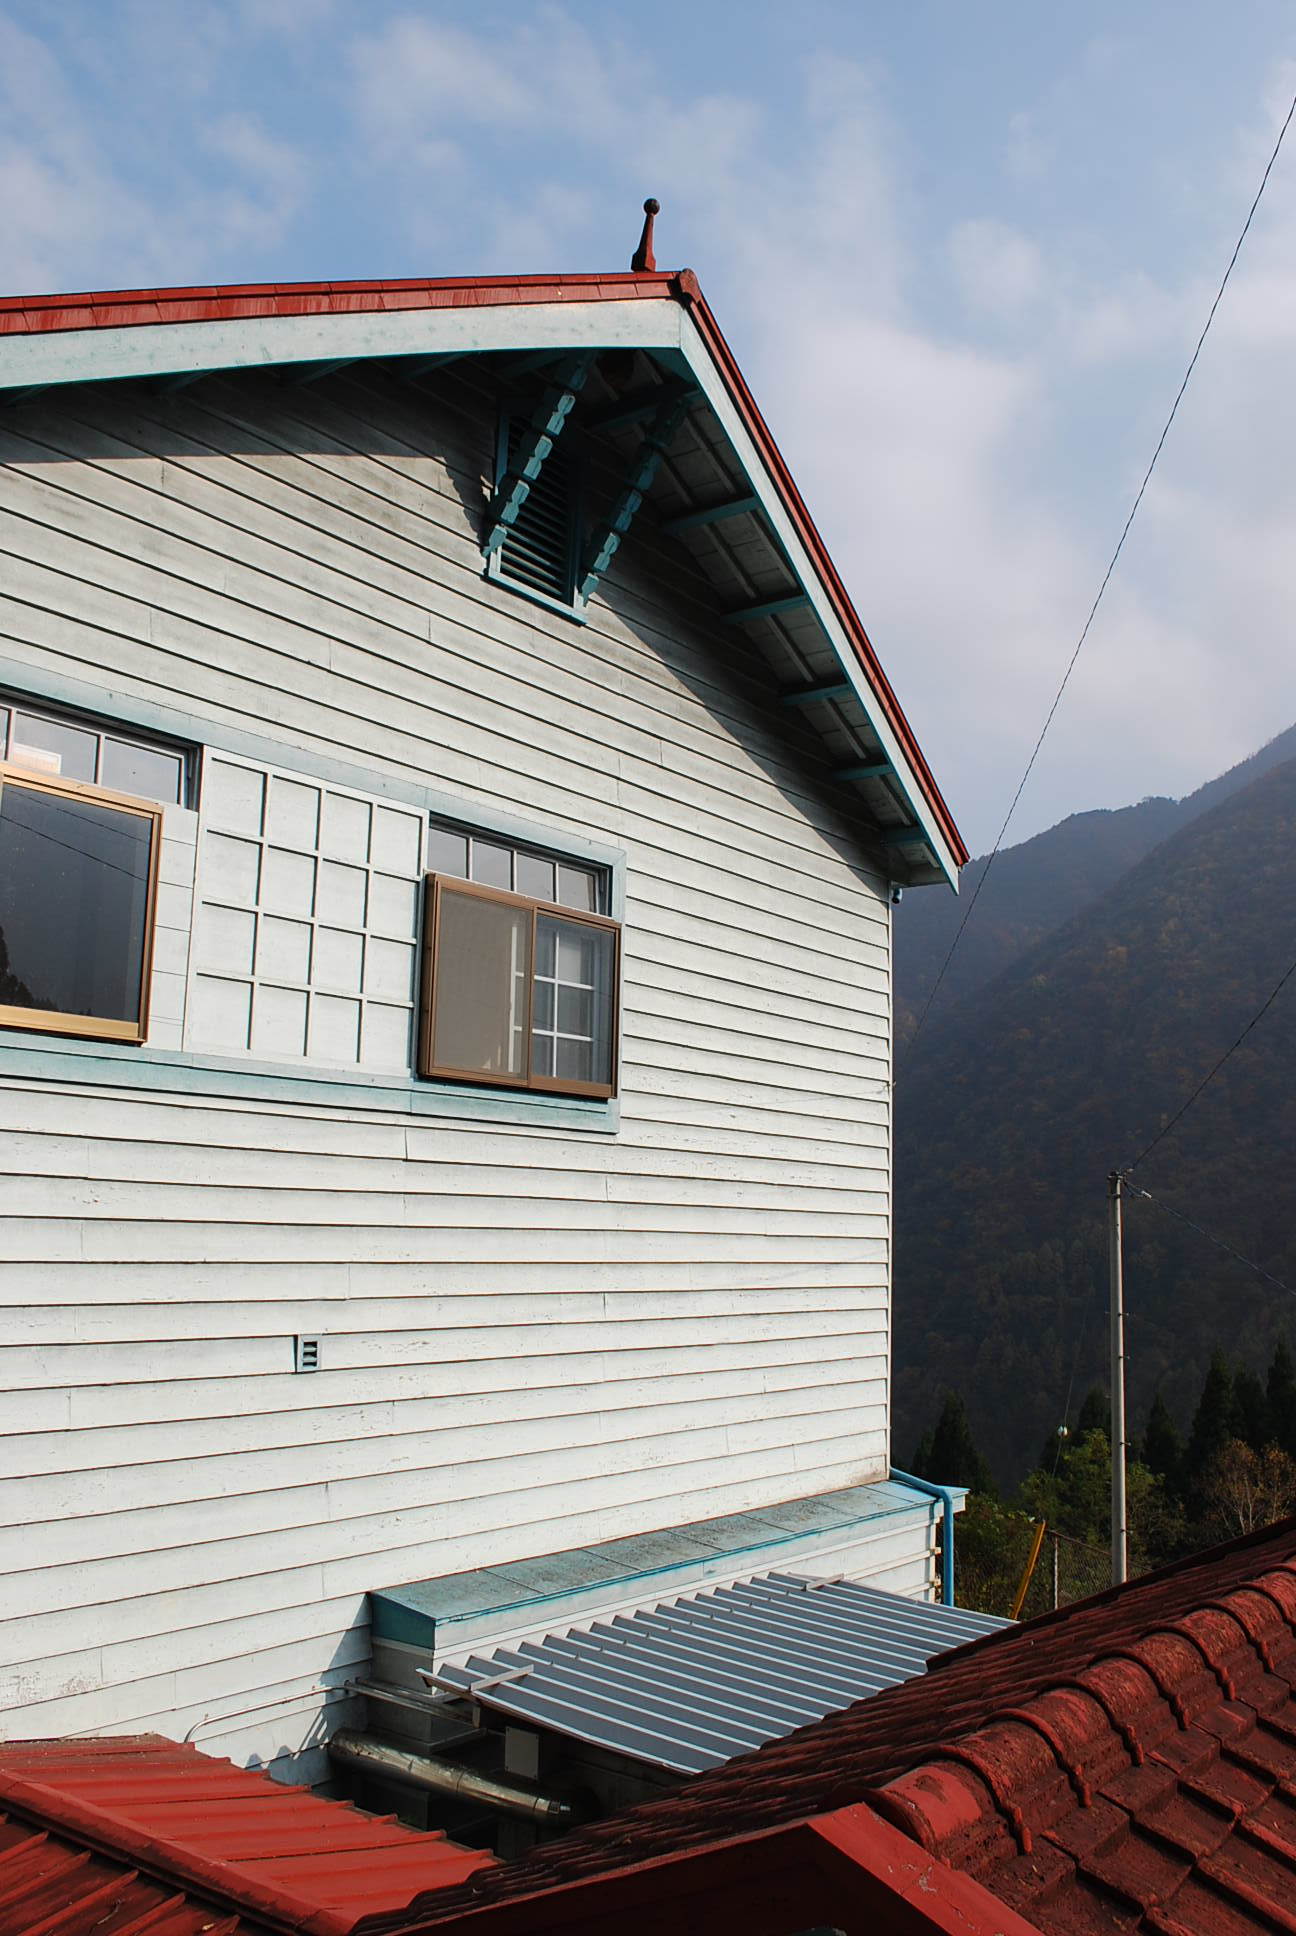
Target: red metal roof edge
point(232, 302)
point(161, 1860)
point(31, 315)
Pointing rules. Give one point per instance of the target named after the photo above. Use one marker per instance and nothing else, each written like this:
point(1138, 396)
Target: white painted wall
point(534, 1336)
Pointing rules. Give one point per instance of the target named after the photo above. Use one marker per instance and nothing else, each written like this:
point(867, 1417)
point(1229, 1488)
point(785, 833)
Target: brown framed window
point(517, 993)
point(78, 901)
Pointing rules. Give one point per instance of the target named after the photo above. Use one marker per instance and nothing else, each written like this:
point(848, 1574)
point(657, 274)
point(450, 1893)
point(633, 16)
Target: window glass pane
point(578, 888)
point(535, 877)
point(149, 771)
point(74, 881)
point(492, 865)
point(482, 974)
point(574, 987)
point(576, 949)
point(542, 1055)
point(4, 732)
point(447, 853)
point(575, 1011)
point(48, 746)
point(575, 1061)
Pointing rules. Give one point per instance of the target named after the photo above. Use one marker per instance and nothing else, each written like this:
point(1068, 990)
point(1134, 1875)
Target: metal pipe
point(448, 1778)
point(946, 1498)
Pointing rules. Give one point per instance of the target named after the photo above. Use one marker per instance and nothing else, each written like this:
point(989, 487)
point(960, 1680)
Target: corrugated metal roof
point(99, 1835)
point(691, 1682)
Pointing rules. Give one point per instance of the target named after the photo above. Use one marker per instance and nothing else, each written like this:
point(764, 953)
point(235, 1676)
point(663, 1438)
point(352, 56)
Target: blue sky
point(962, 251)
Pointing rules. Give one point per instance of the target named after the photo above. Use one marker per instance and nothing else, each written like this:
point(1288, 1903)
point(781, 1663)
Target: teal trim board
point(452, 1612)
point(28, 1057)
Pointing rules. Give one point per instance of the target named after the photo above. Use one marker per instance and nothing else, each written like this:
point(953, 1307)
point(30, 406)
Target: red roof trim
point(689, 292)
point(132, 308)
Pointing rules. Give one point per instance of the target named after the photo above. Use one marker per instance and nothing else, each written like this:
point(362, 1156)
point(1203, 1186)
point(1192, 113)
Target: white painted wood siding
point(531, 1337)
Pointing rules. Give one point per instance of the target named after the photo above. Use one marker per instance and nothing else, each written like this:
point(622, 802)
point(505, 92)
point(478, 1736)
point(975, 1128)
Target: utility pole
point(1116, 1262)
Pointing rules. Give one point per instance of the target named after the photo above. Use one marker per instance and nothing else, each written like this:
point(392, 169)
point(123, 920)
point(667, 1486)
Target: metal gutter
point(946, 1497)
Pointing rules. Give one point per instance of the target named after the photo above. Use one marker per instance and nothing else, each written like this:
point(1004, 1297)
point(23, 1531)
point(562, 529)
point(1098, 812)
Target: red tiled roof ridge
point(1004, 1730)
point(131, 308)
point(1218, 1693)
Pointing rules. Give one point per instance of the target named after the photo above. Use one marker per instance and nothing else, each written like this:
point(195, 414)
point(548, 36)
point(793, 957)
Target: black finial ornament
point(643, 257)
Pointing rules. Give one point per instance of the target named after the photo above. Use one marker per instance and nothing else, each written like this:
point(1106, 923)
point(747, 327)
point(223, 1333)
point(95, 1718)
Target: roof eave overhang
point(79, 340)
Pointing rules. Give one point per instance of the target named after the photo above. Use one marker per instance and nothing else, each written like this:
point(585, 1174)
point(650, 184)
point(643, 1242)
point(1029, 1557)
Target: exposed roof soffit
point(176, 353)
point(168, 349)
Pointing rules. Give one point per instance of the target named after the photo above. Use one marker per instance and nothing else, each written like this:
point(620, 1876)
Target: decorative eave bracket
point(541, 434)
point(603, 546)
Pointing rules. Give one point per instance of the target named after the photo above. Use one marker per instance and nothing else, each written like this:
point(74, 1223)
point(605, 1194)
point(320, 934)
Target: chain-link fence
point(993, 1550)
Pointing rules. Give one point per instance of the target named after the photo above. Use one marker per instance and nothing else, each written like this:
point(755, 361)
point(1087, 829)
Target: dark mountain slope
point(1015, 1105)
point(1035, 887)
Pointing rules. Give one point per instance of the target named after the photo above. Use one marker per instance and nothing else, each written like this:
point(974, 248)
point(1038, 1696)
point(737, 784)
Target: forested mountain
point(1036, 886)
point(1016, 1102)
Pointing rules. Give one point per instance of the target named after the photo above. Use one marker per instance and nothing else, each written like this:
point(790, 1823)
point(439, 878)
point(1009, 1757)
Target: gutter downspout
point(946, 1498)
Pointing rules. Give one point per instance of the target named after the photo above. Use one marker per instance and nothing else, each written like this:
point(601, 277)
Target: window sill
point(132, 1066)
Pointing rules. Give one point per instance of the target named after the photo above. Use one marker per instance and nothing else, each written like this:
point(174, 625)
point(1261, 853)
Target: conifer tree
point(949, 1453)
point(1212, 1425)
point(1095, 1413)
point(1281, 1395)
point(1250, 1420)
point(1162, 1446)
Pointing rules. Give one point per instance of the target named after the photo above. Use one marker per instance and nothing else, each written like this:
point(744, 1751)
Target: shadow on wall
point(285, 1731)
point(658, 594)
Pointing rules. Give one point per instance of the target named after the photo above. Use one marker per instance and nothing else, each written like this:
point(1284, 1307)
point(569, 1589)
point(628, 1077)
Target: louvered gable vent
point(540, 548)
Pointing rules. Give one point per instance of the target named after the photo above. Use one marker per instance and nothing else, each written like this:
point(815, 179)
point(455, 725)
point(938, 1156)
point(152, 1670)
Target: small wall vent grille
point(540, 548)
point(306, 1354)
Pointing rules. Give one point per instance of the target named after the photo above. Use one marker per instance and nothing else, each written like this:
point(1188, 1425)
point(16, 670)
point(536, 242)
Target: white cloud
point(969, 462)
point(937, 466)
point(998, 270)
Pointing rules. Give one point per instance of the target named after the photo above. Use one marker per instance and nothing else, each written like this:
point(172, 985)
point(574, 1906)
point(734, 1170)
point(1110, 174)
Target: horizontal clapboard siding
point(530, 1338)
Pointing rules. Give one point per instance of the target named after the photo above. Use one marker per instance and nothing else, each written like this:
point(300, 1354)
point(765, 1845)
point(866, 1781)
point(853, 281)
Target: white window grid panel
point(306, 945)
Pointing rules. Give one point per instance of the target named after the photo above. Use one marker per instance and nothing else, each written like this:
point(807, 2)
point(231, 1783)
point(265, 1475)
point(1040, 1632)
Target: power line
point(1211, 1074)
point(1093, 609)
point(1219, 1243)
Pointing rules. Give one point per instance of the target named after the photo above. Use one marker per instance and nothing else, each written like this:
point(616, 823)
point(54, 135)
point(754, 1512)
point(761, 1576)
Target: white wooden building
point(449, 820)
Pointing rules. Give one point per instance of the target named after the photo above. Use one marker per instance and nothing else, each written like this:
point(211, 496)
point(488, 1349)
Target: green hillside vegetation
point(1038, 885)
point(1017, 1101)
point(1234, 1472)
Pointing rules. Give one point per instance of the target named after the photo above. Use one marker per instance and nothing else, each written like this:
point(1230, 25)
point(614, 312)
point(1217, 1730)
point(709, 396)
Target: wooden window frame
point(98, 1028)
point(439, 884)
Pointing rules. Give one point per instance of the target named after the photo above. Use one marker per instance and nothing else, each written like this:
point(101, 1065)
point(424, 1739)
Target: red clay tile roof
point(96, 1836)
point(1127, 1764)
